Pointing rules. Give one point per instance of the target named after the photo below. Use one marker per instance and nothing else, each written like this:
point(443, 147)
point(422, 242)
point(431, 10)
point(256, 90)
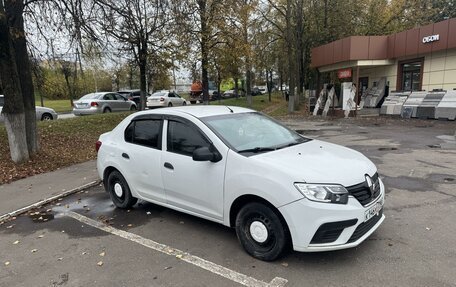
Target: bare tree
point(139, 26)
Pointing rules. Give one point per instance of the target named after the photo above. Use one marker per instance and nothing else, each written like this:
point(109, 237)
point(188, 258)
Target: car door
point(122, 103)
point(190, 185)
point(141, 157)
point(172, 98)
point(109, 101)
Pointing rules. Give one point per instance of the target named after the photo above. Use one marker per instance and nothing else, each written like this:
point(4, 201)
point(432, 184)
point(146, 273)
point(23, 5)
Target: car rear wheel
point(107, 110)
point(261, 231)
point(46, 117)
point(119, 191)
point(133, 108)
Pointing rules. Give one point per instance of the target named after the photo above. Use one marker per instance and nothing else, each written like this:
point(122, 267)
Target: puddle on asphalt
point(434, 146)
point(387, 148)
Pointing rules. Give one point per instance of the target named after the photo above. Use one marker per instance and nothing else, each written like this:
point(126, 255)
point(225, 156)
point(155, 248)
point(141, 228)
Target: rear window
point(159, 94)
point(90, 96)
point(144, 132)
point(2, 101)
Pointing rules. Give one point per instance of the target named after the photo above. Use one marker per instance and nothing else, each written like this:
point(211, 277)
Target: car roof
point(199, 111)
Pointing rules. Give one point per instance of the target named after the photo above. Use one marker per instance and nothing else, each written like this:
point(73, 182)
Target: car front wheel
point(46, 117)
point(261, 231)
point(119, 191)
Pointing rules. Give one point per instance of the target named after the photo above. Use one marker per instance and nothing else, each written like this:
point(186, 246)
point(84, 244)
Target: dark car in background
point(133, 95)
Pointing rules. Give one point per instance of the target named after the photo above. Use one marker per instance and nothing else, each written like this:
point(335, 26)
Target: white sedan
point(165, 99)
point(42, 113)
point(242, 169)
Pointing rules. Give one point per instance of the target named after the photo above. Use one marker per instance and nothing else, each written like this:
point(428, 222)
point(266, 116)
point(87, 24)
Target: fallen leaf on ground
point(34, 250)
point(60, 259)
point(179, 256)
point(7, 263)
point(169, 267)
point(285, 264)
point(16, 242)
point(102, 254)
point(40, 236)
point(130, 225)
point(100, 263)
point(9, 227)
point(148, 213)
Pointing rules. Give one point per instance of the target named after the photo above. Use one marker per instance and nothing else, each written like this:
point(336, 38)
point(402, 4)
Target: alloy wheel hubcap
point(118, 190)
point(258, 231)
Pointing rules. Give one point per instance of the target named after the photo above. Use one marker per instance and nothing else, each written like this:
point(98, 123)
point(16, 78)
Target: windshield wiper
point(257, 149)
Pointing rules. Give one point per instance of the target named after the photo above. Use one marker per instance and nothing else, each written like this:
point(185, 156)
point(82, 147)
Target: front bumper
point(305, 217)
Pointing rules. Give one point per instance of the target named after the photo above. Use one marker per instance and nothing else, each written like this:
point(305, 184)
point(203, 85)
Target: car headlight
point(323, 192)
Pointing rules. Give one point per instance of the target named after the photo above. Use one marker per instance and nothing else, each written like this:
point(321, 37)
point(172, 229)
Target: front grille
point(329, 232)
point(363, 193)
point(364, 227)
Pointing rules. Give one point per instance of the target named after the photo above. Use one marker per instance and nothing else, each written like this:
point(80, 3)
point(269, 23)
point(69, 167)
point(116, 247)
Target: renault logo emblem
point(370, 183)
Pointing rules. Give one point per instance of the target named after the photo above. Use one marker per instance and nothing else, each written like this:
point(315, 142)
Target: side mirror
point(205, 154)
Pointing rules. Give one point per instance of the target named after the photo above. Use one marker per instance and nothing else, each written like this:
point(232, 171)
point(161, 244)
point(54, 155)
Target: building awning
point(411, 43)
point(358, 63)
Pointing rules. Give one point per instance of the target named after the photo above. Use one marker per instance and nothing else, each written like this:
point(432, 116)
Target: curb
point(47, 200)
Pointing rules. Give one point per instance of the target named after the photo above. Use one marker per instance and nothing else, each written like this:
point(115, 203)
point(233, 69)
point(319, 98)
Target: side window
point(171, 95)
point(144, 132)
point(119, 97)
point(108, 97)
point(184, 139)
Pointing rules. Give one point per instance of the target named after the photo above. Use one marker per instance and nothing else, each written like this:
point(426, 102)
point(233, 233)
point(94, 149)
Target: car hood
point(44, 109)
point(320, 162)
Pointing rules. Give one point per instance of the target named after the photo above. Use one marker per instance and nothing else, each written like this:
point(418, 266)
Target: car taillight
point(162, 99)
point(97, 145)
point(94, 104)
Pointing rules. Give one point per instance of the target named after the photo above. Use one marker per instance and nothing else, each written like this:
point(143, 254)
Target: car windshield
point(253, 132)
point(90, 96)
point(159, 94)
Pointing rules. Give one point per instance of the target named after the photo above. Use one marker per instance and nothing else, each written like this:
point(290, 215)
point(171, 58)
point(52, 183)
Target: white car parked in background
point(165, 99)
point(42, 113)
point(242, 169)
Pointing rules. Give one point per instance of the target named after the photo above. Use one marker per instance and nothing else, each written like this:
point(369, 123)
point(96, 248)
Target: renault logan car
point(240, 168)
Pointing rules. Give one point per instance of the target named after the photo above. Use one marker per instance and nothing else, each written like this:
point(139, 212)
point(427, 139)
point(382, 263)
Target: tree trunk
point(291, 82)
point(13, 110)
point(14, 10)
point(205, 31)
point(142, 83)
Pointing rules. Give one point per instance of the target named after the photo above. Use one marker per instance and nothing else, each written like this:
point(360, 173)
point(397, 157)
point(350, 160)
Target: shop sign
point(430, 39)
point(344, 73)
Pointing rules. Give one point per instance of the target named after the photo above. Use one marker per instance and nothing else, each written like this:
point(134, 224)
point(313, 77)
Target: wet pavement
point(415, 246)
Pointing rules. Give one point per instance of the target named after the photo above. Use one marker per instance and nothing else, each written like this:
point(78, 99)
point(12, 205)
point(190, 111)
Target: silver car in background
point(104, 102)
point(165, 99)
point(42, 113)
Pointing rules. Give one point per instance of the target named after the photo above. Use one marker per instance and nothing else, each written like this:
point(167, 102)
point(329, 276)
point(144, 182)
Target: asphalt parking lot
point(82, 240)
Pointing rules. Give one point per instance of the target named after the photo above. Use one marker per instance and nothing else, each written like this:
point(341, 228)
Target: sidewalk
point(30, 190)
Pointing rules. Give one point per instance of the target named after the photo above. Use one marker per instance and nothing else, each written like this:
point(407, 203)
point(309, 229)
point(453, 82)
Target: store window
point(411, 75)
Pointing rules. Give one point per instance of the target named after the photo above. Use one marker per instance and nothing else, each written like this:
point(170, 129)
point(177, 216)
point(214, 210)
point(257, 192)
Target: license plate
point(374, 210)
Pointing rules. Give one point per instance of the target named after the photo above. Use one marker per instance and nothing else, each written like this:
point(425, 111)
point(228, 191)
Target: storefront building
point(422, 58)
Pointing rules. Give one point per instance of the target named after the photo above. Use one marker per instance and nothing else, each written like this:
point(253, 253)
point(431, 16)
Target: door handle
point(169, 166)
point(124, 155)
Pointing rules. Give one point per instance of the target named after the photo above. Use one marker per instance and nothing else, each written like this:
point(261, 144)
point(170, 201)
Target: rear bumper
point(305, 217)
point(82, 112)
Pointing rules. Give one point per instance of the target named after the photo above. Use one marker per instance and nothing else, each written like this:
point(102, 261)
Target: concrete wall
point(374, 74)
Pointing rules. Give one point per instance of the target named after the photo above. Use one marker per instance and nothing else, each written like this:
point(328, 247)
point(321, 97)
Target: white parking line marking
point(187, 257)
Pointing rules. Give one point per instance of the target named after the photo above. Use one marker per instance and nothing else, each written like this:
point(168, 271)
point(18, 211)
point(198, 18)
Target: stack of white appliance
point(393, 103)
point(446, 109)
